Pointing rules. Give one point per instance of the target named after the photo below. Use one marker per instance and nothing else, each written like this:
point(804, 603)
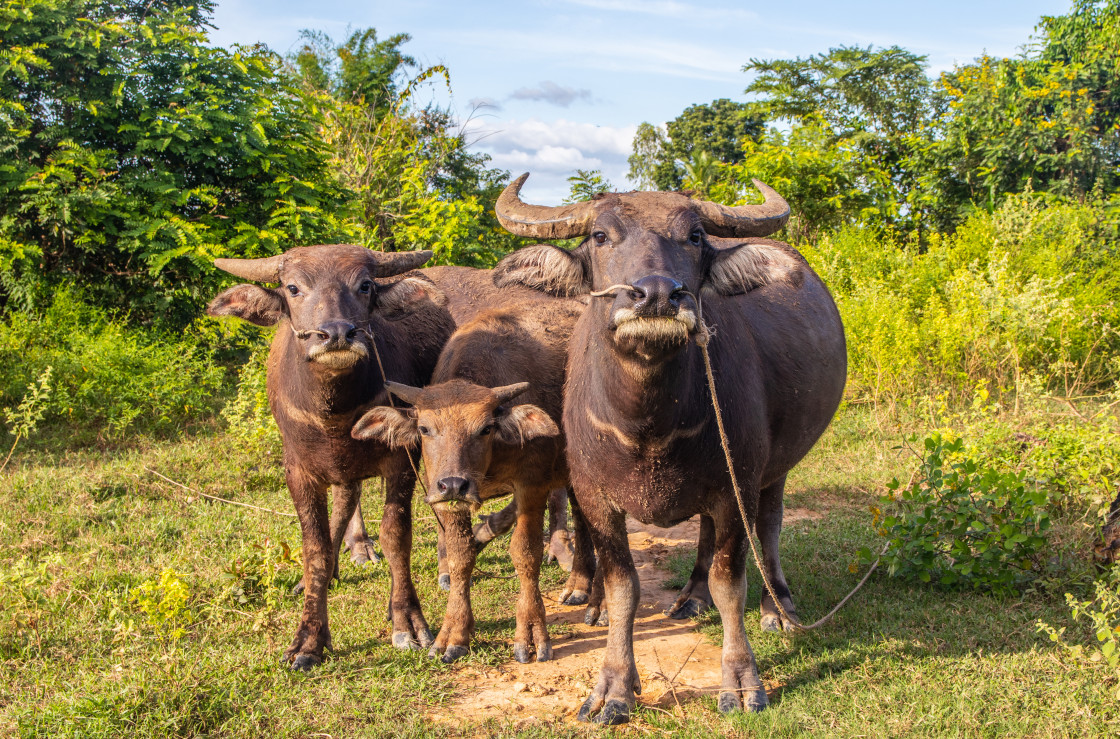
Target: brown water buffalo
point(641, 433)
point(333, 307)
point(477, 445)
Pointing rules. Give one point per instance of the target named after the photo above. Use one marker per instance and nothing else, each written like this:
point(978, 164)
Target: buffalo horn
point(391, 263)
point(745, 220)
point(509, 392)
point(541, 221)
point(265, 269)
point(407, 393)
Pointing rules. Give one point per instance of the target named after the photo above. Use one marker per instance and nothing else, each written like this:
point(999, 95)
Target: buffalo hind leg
point(357, 541)
point(527, 550)
point(577, 590)
point(560, 547)
point(768, 528)
point(695, 598)
point(614, 694)
point(740, 688)
point(409, 627)
point(455, 633)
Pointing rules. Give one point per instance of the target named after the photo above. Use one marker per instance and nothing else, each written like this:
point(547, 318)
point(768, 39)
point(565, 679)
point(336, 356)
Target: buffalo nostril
point(451, 486)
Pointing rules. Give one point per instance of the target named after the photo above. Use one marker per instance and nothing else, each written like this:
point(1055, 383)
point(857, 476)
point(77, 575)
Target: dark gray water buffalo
point(333, 308)
point(641, 433)
point(479, 444)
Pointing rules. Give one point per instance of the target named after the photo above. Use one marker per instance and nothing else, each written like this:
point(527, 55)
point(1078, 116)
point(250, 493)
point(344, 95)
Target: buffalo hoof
point(772, 623)
point(614, 712)
point(523, 653)
point(451, 654)
point(544, 653)
point(298, 589)
point(574, 598)
point(445, 582)
point(404, 640)
point(305, 662)
point(754, 701)
point(591, 615)
point(560, 549)
point(362, 552)
point(691, 608)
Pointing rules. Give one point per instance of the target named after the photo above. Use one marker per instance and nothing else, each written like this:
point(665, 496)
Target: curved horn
point(266, 269)
point(541, 221)
point(407, 393)
point(391, 263)
point(745, 220)
point(509, 392)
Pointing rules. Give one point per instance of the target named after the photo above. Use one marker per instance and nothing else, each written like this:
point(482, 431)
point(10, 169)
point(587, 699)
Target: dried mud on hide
point(549, 692)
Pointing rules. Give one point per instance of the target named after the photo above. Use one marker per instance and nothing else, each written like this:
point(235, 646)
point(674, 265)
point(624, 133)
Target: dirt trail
point(550, 691)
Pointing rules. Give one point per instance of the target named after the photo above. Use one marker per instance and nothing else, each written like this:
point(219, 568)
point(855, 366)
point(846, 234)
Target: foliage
point(265, 573)
point(135, 153)
point(717, 129)
point(25, 418)
point(586, 184)
point(248, 415)
point(1103, 616)
point(164, 603)
point(968, 525)
point(108, 380)
point(360, 70)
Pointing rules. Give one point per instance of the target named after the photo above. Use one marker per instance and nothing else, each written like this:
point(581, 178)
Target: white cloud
point(552, 93)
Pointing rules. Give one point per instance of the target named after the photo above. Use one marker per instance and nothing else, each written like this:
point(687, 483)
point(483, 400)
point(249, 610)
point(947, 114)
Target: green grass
point(80, 529)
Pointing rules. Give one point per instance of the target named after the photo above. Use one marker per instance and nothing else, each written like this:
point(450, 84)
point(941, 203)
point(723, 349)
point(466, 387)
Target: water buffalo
point(477, 446)
point(641, 434)
point(333, 307)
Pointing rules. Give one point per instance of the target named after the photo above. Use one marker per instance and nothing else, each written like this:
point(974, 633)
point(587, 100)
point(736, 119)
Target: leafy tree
point(359, 69)
point(718, 129)
point(1048, 121)
point(586, 184)
point(134, 153)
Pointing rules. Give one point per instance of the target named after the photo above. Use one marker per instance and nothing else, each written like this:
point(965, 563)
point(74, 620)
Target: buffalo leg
point(526, 550)
point(455, 634)
point(559, 540)
point(741, 688)
point(768, 528)
point(409, 626)
point(577, 589)
point(695, 597)
point(357, 541)
point(494, 525)
point(443, 575)
point(614, 694)
point(319, 563)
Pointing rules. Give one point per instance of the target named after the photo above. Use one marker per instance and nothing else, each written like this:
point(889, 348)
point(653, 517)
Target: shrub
point(247, 414)
point(109, 379)
point(968, 525)
point(1102, 613)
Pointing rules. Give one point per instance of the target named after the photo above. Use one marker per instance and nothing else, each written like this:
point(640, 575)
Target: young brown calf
point(477, 446)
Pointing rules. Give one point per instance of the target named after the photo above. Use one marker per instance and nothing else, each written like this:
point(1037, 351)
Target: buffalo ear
point(252, 303)
point(739, 269)
point(547, 268)
point(397, 299)
point(525, 422)
point(389, 426)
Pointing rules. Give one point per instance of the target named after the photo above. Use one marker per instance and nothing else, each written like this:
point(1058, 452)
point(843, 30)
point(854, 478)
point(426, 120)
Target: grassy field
point(82, 531)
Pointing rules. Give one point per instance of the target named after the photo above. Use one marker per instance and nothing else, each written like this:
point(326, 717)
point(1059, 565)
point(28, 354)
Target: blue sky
point(551, 86)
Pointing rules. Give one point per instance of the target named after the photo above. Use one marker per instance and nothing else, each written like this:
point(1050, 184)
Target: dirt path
point(551, 691)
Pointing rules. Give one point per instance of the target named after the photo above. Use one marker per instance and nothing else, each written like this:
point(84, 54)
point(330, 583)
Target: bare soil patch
point(547, 692)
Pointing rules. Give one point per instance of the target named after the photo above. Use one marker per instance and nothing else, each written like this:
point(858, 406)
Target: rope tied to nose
point(703, 337)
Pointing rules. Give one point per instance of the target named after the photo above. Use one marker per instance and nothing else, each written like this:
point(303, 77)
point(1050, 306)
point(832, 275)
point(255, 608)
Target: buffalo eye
point(599, 237)
point(486, 430)
point(424, 430)
point(365, 287)
point(696, 236)
point(293, 290)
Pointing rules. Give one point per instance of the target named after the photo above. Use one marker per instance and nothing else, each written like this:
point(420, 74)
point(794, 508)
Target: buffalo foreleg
point(409, 627)
point(577, 589)
point(559, 540)
point(357, 541)
point(455, 634)
point(320, 561)
point(526, 550)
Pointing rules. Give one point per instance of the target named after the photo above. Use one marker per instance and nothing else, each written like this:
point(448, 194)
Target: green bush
point(1101, 646)
point(109, 379)
point(967, 526)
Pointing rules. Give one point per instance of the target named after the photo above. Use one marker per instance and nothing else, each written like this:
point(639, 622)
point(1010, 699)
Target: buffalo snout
point(335, 334)
point(656, 296)
point(454, 489)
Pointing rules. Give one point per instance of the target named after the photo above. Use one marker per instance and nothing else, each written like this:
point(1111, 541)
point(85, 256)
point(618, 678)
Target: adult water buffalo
point(641, 432)
point(333, 311)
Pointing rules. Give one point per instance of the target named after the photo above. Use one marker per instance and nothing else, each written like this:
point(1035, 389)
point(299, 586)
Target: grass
point(81, 530)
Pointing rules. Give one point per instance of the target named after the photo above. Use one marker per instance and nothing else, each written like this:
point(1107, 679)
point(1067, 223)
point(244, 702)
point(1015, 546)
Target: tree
point(718, 128)
point(586, 184)
point(133, 153)
point(359, 69)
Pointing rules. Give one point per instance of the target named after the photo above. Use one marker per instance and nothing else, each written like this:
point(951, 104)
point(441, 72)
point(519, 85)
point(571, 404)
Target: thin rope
point(384, 379)
point(703, 337)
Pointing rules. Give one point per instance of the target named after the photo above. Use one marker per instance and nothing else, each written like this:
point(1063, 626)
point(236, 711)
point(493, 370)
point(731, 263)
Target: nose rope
point(703, 337)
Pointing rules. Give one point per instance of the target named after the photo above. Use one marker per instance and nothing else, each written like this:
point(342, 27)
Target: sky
point(552, 86)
